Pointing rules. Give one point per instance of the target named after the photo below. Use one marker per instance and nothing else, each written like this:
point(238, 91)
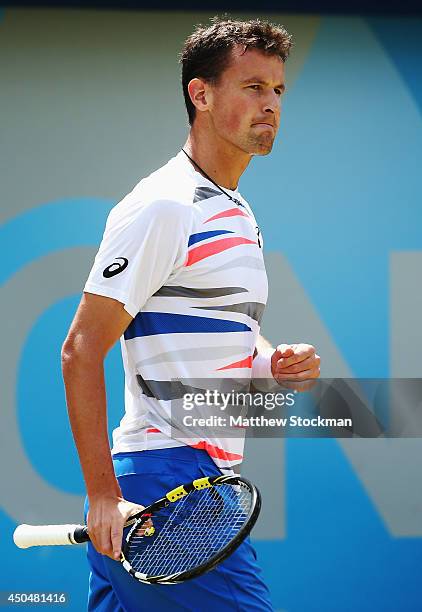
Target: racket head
point(196, 526)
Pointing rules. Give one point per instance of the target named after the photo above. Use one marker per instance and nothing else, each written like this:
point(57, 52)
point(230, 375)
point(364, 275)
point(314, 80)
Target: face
point(244, 107)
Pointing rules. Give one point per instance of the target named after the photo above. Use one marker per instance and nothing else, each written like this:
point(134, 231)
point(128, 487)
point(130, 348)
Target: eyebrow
point(259, 81)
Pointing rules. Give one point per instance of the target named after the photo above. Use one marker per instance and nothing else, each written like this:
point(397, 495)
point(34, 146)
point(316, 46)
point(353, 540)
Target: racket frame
point(174, 496)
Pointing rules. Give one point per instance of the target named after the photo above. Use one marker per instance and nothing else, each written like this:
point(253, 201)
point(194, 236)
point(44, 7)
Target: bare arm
point(98, 323)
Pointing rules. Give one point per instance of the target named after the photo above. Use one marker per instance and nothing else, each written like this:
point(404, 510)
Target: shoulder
point(163, 196)
point(172, 182)
point(154, 210)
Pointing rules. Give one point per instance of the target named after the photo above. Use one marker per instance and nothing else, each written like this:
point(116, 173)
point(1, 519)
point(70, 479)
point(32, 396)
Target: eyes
point(258, 87)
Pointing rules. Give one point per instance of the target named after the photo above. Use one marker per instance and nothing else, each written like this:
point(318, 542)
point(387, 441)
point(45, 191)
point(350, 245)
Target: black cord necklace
point(235, 200)
point(213, 182)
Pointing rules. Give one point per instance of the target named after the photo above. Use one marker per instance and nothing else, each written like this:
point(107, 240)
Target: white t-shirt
point(186, 262)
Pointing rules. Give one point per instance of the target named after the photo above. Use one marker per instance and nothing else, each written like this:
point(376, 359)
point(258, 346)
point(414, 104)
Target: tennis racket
point(195, 527)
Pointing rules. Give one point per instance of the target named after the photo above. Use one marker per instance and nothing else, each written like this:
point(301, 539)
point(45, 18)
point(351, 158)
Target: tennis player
point(180, 279)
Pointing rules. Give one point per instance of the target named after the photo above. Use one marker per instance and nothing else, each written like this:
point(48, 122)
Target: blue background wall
point(87, 110)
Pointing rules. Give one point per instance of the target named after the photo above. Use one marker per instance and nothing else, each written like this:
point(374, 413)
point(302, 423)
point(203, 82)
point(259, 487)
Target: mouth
point(262, 123)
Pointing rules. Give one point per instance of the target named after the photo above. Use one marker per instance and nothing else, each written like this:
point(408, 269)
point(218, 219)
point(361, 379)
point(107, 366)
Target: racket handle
point(26, 536)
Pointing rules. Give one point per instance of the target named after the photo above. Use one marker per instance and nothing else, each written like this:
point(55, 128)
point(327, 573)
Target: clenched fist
point(295, 362)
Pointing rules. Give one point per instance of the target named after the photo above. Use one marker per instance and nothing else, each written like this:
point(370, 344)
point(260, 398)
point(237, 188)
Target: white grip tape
point(45, 535)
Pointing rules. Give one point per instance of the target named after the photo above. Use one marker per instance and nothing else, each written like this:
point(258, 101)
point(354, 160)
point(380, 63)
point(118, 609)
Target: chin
point(252, 146)
point(262, 148)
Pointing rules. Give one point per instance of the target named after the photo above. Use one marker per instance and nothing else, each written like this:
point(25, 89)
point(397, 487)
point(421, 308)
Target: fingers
point(100, 532)
point(299, 352)
point(126, 511)
point(106, 537)
point(284, 350)
point(295, 362)
point(311, 363)
point(299, 376)
point(116, 538)
point(106, 520)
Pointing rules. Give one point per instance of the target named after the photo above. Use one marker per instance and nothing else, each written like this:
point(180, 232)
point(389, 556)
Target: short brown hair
point(206, 53)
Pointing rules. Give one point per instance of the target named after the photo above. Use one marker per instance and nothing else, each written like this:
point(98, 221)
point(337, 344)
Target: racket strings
point(190, 531)
point(171, 534)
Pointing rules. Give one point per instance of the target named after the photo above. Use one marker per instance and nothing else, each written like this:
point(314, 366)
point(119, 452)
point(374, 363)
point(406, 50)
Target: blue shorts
point(234, 585)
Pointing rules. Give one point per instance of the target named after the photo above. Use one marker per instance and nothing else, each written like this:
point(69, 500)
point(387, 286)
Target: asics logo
point(115, 267)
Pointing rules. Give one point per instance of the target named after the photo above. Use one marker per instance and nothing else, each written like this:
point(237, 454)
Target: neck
point(223, 162)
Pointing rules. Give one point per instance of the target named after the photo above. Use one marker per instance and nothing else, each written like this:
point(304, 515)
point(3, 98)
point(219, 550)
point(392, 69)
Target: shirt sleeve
point(143, 244)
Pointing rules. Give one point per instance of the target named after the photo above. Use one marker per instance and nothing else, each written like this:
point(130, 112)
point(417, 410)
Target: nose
point(272, 103)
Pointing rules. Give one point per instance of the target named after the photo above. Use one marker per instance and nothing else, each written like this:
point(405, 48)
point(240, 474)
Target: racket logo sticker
point(115, 267)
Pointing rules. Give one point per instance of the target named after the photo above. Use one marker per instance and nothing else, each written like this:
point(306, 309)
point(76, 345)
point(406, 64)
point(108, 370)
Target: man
point(179, 277)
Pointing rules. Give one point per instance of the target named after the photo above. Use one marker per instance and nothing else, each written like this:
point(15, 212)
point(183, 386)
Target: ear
point(200, 94)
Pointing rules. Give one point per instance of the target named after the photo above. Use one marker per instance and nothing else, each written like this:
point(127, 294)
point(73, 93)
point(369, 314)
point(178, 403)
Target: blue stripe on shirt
point(153, 323)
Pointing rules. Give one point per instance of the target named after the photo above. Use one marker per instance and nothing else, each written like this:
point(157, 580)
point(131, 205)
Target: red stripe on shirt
point(212, 248)
point(231, 212)
point(215, 451)
point(243, 363)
